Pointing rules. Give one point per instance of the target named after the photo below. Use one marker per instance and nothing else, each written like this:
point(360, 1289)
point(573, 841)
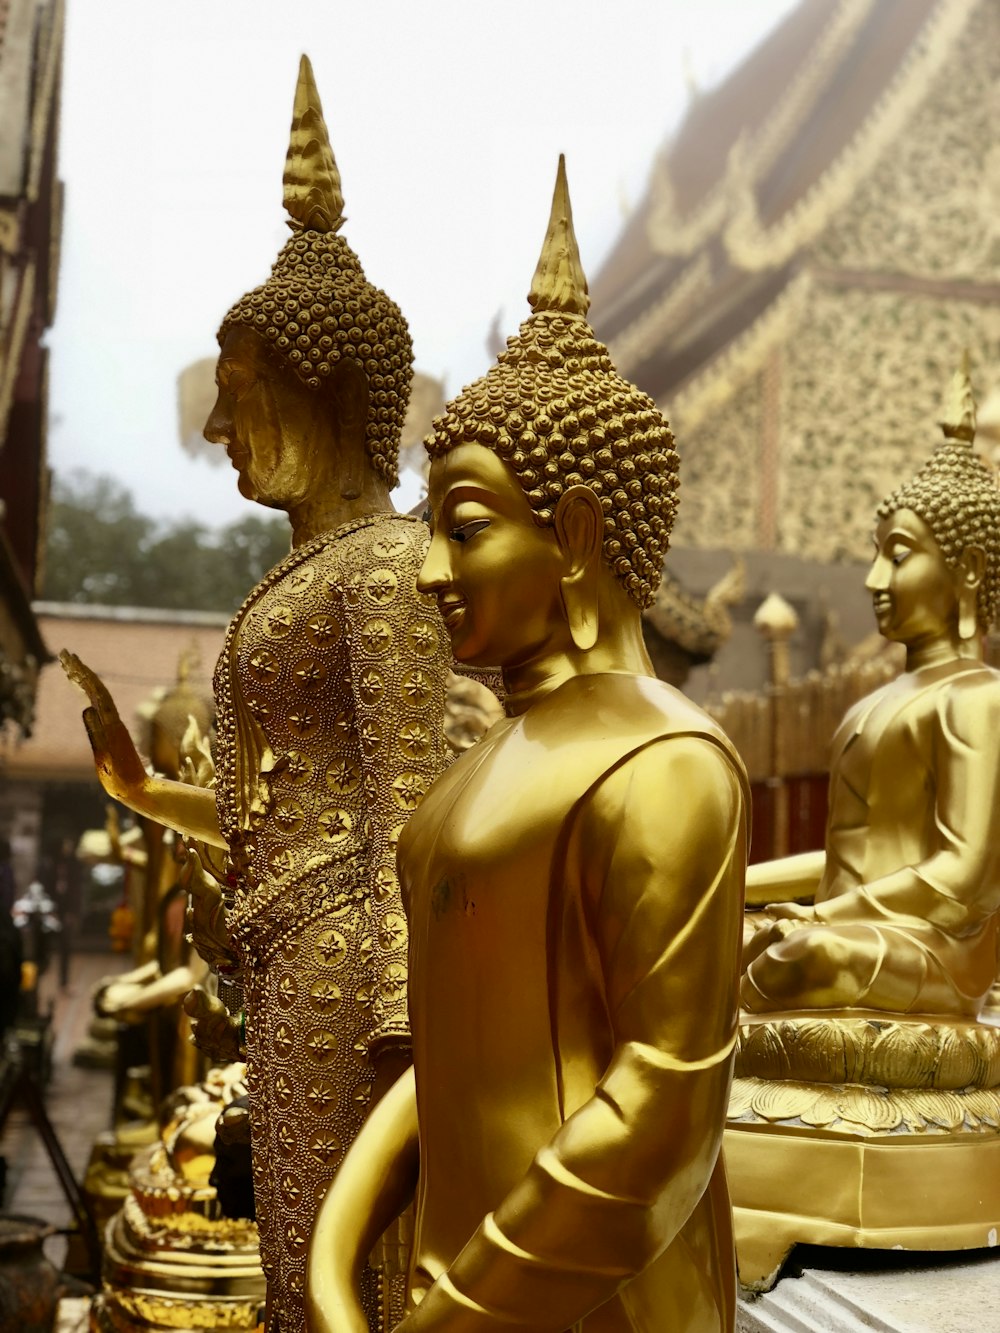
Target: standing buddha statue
point(330, 701)
point(574, 889)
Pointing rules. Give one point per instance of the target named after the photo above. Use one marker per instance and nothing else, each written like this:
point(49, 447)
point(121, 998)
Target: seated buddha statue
point(330, 697)
point(905, 910)
point(573, 884)
point(170, 1261)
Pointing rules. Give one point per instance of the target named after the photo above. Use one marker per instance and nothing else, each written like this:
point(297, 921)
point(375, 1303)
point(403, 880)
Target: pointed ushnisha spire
point(958, 416)
point(559, 282)
point(313, 196)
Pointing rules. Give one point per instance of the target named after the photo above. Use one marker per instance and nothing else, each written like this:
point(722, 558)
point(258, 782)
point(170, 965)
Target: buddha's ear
point(579, 525)
point(969, 574)
point(349, 389)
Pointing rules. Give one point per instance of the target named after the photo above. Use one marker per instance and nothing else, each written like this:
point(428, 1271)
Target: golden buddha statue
point(573, 884)
point(168, 968)
point(330, 699)
point(905, 915)
point(861, 1063)
point(171, 1262)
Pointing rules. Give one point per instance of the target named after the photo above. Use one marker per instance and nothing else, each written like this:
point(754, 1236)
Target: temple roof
point(30, 229)
point(755, 171)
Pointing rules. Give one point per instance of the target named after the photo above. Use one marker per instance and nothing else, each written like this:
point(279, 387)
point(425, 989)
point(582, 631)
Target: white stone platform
point(944, 1294)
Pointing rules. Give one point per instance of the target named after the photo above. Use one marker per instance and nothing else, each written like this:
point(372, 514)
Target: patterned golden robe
point(330, 693)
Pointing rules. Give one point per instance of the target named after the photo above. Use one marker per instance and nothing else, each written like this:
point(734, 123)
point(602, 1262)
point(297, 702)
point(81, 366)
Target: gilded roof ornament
point(313, 196)
point(958, 414)
point(559, 282)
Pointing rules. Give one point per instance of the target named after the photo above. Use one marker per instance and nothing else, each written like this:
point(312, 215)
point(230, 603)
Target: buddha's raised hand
point(119, 767)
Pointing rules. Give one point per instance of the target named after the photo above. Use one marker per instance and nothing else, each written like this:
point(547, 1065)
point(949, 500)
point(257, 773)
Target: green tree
point(100, 549)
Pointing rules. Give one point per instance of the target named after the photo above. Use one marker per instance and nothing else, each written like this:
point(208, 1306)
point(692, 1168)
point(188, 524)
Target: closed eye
point(240, 382)
point(465, 531)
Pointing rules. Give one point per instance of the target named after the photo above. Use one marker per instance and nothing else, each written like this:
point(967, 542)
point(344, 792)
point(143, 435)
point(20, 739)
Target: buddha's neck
point(620, 650)
point(943, 648)
point(330, 509)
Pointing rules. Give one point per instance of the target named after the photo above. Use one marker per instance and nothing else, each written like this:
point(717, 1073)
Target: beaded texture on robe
point(330, 692)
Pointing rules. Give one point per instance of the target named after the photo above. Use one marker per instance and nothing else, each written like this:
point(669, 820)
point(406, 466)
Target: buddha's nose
point(878, 575)
point(435, 572)
point(219, 426)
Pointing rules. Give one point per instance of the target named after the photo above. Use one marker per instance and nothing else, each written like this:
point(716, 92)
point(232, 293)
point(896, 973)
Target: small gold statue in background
point(861, 1061)
point(330, 698)
point(574, 888)
point(906, 912)
point(168, 968)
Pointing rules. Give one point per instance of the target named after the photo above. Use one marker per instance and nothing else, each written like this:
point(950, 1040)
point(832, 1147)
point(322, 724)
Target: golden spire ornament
point(958, 416)
point(559, 282)
point(313, 194)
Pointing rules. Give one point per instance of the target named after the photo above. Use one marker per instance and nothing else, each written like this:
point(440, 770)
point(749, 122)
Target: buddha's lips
point(452, 610)
point(237, 456)
point(882, 605)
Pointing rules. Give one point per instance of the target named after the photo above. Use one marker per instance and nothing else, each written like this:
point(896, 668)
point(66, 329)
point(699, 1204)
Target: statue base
point(852, 1165)
point(172, 1261)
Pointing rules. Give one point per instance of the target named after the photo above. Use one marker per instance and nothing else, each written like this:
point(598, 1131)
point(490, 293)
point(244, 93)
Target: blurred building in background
point(31, 33)
point(818, 243)
point(49, 794)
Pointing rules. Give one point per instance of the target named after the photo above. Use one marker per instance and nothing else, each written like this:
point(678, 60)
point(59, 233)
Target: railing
point(784, 733)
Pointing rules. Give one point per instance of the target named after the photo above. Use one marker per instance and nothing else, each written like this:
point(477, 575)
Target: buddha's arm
point(185, 809)
point(139, 998)
point(790, 879)
point(957, 884)
point(611, 1190)
point(373, 1186)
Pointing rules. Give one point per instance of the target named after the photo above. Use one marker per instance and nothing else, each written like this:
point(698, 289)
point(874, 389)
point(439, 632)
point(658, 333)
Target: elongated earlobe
point(968, 626)
point(349, 392)
point(579, 525)
point(971, 569)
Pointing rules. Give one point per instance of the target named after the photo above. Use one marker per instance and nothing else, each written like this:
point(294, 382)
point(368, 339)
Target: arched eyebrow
point(465, 490)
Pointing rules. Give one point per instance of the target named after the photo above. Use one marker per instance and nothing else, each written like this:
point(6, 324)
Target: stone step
point(950, 1297)
point(807, 1304)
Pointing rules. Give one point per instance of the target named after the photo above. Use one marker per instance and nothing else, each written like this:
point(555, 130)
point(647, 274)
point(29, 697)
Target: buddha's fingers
point(98, 736)
point(90, 682)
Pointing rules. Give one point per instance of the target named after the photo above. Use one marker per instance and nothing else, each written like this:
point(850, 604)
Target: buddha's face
point(267, 420)
point(495, 573)
point(913, 588)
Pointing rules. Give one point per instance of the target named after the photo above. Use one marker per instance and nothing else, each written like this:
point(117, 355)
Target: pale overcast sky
point(446, 118)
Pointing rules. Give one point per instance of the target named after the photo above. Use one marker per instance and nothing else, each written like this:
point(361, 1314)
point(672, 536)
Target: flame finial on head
point(559, 282)
point(313, 195)
point(958, 415)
